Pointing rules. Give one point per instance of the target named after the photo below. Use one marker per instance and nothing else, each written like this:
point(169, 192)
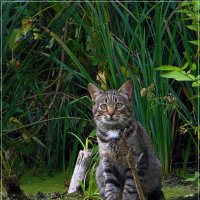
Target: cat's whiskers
point(125, 122)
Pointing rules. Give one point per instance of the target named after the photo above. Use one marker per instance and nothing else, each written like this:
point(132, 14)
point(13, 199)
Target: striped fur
point(112, 112)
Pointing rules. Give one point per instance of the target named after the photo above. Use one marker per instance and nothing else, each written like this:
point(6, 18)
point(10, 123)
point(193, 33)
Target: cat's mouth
point(112, 121)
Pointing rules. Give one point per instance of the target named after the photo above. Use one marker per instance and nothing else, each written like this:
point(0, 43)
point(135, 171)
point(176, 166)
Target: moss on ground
point(31, 184)
point(177, 191)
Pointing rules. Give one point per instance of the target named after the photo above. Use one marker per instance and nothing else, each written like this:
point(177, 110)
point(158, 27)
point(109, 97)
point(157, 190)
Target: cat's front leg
point(113, 181)
point(130, 190)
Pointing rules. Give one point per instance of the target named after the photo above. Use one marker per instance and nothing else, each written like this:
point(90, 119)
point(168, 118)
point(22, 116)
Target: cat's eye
point(103, 106)
point(119, 105)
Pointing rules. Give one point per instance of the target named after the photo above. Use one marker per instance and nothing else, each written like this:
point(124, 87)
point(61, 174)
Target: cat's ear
point(94, 91)
point(126, 89)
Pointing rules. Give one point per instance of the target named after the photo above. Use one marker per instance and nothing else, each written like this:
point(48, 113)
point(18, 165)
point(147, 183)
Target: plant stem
point(132, 164)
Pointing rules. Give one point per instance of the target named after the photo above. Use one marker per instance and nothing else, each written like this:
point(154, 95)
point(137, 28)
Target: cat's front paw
point(113, 198)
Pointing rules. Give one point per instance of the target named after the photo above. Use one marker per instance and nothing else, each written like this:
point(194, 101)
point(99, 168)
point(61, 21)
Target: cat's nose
point(111, 112)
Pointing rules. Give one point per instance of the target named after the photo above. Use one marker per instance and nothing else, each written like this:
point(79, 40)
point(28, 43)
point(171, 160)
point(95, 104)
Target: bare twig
point(132, 164)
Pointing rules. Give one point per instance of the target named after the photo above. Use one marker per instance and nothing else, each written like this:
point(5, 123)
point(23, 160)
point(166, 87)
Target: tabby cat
point(112, 111)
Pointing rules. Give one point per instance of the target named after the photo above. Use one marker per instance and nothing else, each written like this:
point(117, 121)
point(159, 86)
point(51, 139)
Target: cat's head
point(112, 107)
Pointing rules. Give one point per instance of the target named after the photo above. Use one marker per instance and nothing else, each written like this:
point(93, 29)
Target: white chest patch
point(113, 134)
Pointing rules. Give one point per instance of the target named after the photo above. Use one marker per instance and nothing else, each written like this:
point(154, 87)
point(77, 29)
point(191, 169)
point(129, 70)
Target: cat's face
point(111, 107)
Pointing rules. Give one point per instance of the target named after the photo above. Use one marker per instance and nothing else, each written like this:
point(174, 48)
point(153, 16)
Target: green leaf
point(196, 83)
point(25, 135)
point(193, 27)
point(197, 78)
point(78, 139)
point(186, 3)
point(191, 179)
point(38, 141)
point(196, 42)
point(168, 68)
point(193, 66)
point(183, 11)
point(14, 39)
point(196, 6)
point(36, 34)
point(93, 133)
point(179, 76)
point(50, 44)
point(185, 66)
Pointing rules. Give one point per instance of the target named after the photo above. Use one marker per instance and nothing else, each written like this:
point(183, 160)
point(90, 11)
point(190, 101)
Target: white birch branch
point(80, 170)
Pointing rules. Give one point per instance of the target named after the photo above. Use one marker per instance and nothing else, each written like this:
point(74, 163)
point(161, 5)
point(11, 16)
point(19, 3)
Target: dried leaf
point(125, 71)
point(143, 92)
point(101, 77)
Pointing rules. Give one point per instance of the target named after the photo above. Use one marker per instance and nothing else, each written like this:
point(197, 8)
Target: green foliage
point(180, 74)
point(14, 39)
point(188, 78)
point(90, 190)
point(51, 51)
point(191, 12)
point(194, 179)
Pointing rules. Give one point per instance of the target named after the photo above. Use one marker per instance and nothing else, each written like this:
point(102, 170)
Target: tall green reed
point(122, 40)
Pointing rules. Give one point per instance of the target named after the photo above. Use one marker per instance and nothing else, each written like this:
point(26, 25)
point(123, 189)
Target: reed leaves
point(45, 76)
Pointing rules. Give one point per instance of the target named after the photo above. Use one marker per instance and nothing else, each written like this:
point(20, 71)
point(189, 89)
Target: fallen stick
point(80, 170)
point(132, 164)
